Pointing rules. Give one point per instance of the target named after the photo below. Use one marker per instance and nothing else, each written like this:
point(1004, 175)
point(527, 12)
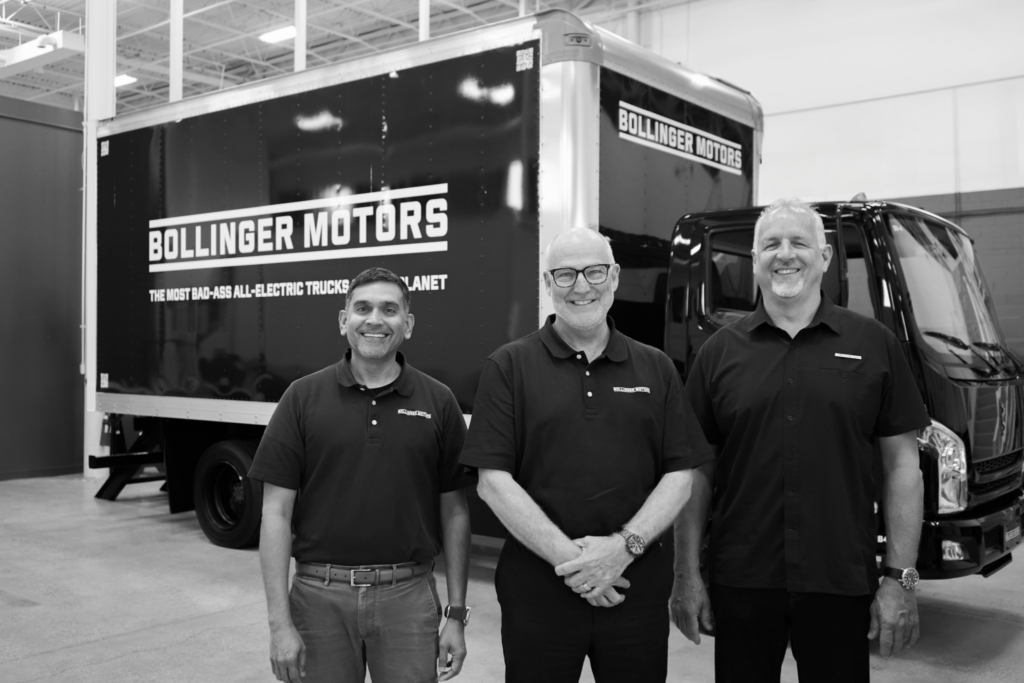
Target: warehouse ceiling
point(222, 45)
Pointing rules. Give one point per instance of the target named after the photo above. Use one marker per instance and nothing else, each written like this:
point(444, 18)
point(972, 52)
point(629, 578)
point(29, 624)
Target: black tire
point(229, 504)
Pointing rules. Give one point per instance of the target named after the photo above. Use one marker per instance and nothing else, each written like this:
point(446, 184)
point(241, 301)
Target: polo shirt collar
point(616, 350)
point(343, 370)
point(825, 315)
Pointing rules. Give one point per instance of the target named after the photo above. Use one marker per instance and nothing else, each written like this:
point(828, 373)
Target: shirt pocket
point(847, 396)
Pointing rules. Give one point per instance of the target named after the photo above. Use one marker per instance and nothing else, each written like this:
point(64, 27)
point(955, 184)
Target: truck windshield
point(951, 303)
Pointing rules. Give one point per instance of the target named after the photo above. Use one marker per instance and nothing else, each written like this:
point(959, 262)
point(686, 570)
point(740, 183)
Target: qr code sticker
point(524, 59)
point(104, 148)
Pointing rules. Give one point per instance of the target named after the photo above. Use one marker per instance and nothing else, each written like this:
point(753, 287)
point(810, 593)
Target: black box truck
point(222, 231)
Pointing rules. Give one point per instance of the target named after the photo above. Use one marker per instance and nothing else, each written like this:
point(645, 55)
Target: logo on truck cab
point(662, 133)
point(408, 220)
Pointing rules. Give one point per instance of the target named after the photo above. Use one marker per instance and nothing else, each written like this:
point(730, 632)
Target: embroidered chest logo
point(413, 413)
point(632, 390)
point(848, 355)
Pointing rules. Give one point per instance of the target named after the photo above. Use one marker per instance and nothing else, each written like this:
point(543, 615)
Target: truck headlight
point(951, 455)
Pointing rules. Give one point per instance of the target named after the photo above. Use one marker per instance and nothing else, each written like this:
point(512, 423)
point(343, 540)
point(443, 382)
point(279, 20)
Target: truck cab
point(917, 274)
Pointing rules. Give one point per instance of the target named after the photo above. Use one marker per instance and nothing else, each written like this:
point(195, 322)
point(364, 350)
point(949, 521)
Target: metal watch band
point(908, 578)
point(636, 545)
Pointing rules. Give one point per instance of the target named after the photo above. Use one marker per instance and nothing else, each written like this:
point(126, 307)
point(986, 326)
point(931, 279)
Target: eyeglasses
point(595, 274)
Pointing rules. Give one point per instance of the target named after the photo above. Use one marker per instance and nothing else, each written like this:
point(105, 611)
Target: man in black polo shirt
point(584, 440)
point(794, 398)
point(362, 484)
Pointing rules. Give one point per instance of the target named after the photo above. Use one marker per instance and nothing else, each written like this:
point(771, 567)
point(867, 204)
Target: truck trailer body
point(225, 228)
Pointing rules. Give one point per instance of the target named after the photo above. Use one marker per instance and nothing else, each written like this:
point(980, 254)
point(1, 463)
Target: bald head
point(578, 242)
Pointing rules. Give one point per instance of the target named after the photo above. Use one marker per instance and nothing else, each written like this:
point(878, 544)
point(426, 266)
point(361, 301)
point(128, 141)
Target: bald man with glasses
point(584, 441)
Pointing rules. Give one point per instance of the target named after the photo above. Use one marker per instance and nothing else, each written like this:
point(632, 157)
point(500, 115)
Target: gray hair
point(791, 206)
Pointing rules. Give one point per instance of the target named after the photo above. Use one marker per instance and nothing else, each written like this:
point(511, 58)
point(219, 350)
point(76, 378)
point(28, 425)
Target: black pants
point(828, 635)
point(547, 630)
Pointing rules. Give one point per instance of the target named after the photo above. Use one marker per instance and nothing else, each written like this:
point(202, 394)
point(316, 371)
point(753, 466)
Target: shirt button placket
point(791, 473)
point(588, 388)
point(373, 419)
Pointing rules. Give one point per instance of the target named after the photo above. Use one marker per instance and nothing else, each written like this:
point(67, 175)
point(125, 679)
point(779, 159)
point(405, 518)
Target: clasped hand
point(598, 570)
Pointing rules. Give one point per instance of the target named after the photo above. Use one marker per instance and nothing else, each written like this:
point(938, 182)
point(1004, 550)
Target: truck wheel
point(229, 505)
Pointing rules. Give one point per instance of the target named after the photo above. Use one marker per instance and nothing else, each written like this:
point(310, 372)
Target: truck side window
point(858, 280)
point(730, 289)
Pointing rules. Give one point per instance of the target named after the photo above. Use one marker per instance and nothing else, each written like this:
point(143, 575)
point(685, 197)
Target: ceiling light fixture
point(278, 35)
point(124, 79)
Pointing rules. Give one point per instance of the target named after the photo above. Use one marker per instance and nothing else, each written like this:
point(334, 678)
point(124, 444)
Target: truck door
point(860, 293)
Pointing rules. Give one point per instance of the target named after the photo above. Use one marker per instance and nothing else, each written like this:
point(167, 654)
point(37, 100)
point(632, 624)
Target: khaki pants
point(393, 630)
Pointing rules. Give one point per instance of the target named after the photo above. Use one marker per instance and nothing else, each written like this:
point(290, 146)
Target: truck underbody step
point(123, 470)
point(124, 460)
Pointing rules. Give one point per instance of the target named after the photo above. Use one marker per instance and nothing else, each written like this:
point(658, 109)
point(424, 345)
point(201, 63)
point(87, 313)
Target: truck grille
point(993, 477)
point(990, 486)
point(996, 464)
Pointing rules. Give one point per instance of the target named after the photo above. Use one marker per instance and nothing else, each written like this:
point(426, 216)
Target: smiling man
point(584, 440)
point(362, 485)
point(803, 402)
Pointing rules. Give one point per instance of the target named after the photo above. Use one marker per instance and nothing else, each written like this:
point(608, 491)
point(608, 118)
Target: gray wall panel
point(40, 290)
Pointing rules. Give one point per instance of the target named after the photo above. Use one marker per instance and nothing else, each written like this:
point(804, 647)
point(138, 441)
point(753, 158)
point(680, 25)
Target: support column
point(177, 48)
point(424, 19)
point(300, 35)
point(100, 103)
point(633, 23)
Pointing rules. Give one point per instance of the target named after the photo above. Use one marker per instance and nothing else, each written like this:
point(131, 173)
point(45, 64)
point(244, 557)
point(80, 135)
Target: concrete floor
point(97, 591)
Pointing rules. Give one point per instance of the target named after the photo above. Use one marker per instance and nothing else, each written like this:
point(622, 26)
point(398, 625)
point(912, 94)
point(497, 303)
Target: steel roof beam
point(390, 19)
point(187, 15)
point(459, 8)
point(318, 27)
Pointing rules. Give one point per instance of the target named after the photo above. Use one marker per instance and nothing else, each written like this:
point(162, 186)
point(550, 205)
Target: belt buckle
point(352, 577)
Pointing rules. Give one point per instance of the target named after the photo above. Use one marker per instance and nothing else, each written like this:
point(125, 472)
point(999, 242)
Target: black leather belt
point(372, 575)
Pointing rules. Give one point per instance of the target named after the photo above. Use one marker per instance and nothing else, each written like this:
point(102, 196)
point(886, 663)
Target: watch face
point(635, 545)
point(910, 578)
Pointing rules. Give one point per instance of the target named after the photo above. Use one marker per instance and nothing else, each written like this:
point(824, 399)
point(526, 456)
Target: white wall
point(889, 97)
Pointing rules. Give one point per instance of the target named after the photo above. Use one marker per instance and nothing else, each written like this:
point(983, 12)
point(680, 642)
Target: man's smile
point(786, 270)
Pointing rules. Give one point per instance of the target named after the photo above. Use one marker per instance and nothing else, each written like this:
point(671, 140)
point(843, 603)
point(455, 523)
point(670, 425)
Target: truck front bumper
point(984, 542)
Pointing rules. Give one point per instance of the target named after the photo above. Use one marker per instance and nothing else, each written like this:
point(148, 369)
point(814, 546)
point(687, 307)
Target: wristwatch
point(908, 577)
point(458, 613)
point(635, 544)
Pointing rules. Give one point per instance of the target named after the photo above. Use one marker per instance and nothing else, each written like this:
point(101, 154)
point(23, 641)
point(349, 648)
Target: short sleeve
point(902, 408)
point(452, 475)
point(684, 446)
point(281, 454)
point(699, 394)
point(491, 442)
